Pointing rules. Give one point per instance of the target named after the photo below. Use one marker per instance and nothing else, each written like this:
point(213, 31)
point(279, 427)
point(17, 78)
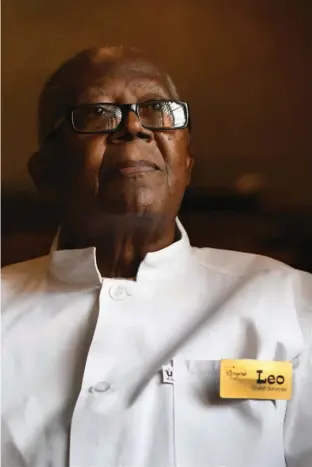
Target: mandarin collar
point(78, 267)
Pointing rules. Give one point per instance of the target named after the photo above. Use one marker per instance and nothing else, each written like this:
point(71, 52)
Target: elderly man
point(127, 347)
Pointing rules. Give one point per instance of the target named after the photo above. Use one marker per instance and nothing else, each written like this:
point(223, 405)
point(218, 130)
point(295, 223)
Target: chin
point(139, 198)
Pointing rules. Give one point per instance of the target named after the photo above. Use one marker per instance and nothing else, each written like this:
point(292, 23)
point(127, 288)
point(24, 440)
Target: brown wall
point(244, 65)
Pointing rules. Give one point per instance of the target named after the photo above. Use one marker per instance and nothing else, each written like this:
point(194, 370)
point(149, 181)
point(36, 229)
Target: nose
point(131, 128)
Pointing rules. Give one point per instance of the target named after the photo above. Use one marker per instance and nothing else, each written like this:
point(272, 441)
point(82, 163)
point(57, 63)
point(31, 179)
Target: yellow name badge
point(255, 379)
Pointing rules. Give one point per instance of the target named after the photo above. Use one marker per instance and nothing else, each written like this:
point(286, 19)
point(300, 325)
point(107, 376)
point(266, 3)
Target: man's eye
point(157, 105)
point(99, 110)
point(103, 112)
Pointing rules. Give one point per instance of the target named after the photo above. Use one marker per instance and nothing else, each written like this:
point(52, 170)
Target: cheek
point(85, 156)
point(174, 149)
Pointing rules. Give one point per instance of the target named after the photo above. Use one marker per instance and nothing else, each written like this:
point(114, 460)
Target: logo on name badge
point(167, 374)
point(255, 379)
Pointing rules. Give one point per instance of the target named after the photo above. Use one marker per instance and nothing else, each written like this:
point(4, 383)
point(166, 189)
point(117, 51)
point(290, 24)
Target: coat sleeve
point(298, 420)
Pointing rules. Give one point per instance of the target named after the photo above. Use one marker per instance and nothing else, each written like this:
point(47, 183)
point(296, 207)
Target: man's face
point(133, 170)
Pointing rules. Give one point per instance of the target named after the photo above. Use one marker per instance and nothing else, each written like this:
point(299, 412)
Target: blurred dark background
point(245, 66)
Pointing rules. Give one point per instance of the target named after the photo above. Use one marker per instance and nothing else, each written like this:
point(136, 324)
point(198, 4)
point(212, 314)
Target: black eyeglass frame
point(125, 109)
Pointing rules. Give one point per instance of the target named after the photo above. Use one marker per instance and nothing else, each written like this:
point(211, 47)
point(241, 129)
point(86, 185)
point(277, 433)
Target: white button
point(102, 386)
point(118, 293)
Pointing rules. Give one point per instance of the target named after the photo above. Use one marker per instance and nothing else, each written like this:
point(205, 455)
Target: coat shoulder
point(236, 263)
point(16, 277)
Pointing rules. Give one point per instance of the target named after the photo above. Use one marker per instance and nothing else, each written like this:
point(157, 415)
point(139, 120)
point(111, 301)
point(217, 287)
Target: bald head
point(88, 68)
point(118, 147)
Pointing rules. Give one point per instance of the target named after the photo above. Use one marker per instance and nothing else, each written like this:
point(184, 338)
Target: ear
point(189, 161)
point(46, 173)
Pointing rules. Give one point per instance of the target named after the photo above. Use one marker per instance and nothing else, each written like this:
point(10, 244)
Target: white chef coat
point(82, 354)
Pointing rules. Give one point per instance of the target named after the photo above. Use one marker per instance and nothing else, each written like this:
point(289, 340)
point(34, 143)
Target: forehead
point(122, 81)
point(87, 79)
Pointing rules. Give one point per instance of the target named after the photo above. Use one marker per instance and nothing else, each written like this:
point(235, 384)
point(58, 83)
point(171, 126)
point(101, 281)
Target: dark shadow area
point(216, 218)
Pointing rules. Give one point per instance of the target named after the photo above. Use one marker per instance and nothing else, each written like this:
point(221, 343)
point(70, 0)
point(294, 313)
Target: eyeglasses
point(106, 118)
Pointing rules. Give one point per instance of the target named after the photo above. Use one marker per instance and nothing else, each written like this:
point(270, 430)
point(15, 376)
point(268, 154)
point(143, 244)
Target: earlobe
point(43, 170)
point(190, 159)
point(36, 170)
point(190, 165)
point(189, 170)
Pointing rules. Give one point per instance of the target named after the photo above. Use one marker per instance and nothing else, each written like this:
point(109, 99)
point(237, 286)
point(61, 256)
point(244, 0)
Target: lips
point(129, 168)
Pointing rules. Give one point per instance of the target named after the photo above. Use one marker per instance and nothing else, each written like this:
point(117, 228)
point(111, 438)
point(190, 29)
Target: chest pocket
point(213, 431)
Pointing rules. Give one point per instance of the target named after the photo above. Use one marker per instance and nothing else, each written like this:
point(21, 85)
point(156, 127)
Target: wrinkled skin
point(119, 192)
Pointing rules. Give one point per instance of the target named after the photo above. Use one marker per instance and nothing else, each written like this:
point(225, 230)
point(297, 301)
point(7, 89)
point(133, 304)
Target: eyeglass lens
point(95, 118)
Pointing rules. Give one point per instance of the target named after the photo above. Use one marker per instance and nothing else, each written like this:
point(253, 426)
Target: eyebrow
point(90, 94)
point(143, 99)
point(97, 93)
point(153, 97)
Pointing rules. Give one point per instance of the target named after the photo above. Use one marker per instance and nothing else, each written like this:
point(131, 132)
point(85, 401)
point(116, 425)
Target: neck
point(123, 244)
